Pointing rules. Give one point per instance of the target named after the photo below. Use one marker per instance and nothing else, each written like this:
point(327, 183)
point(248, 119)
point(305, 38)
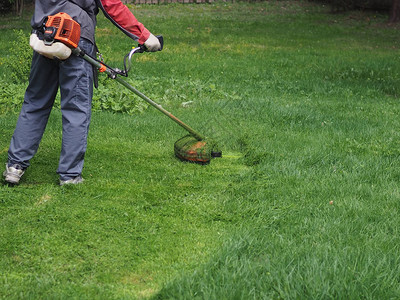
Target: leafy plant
point(11, 96)
point(19, 56)
point(110, 96)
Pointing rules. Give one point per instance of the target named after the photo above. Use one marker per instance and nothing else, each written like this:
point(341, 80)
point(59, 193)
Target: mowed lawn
point(304, 203)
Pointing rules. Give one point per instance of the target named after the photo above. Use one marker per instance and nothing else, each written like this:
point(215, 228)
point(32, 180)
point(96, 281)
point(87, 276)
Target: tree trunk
point(19, 7)
point(395, 11)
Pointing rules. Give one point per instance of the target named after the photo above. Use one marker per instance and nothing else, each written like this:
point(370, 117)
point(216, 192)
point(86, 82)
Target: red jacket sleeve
point(124, 19)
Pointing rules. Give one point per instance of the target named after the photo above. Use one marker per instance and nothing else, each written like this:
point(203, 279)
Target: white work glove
point(152, 43)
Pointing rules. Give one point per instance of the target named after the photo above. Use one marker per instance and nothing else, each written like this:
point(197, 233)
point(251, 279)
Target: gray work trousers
point(74, 77)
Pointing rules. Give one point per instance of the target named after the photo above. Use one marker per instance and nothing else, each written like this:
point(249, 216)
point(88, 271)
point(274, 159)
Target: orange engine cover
point(68, 31)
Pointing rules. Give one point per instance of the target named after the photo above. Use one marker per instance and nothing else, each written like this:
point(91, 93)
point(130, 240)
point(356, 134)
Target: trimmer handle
point(139, 49)
point(144, 49)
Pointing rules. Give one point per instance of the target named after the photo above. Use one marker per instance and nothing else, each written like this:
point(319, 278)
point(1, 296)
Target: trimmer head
point(192, 150)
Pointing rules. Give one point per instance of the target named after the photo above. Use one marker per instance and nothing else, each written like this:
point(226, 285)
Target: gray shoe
point(76, 180)
point(13, 173)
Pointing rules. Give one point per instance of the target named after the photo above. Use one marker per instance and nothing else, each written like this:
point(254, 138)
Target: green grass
point(304, 204)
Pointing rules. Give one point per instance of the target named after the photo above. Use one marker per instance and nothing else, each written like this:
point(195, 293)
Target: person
point(74, 78)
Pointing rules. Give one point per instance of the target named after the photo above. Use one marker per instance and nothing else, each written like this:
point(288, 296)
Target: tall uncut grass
point(304, 203)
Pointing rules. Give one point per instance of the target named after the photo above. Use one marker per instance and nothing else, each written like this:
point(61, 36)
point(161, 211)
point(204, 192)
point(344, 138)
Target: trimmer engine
point(61, 27)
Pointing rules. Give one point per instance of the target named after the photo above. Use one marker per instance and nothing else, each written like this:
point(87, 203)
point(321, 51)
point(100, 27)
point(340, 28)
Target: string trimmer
point(192, 147)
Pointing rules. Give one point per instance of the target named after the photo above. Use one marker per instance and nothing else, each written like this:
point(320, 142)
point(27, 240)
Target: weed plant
point(304, 203)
